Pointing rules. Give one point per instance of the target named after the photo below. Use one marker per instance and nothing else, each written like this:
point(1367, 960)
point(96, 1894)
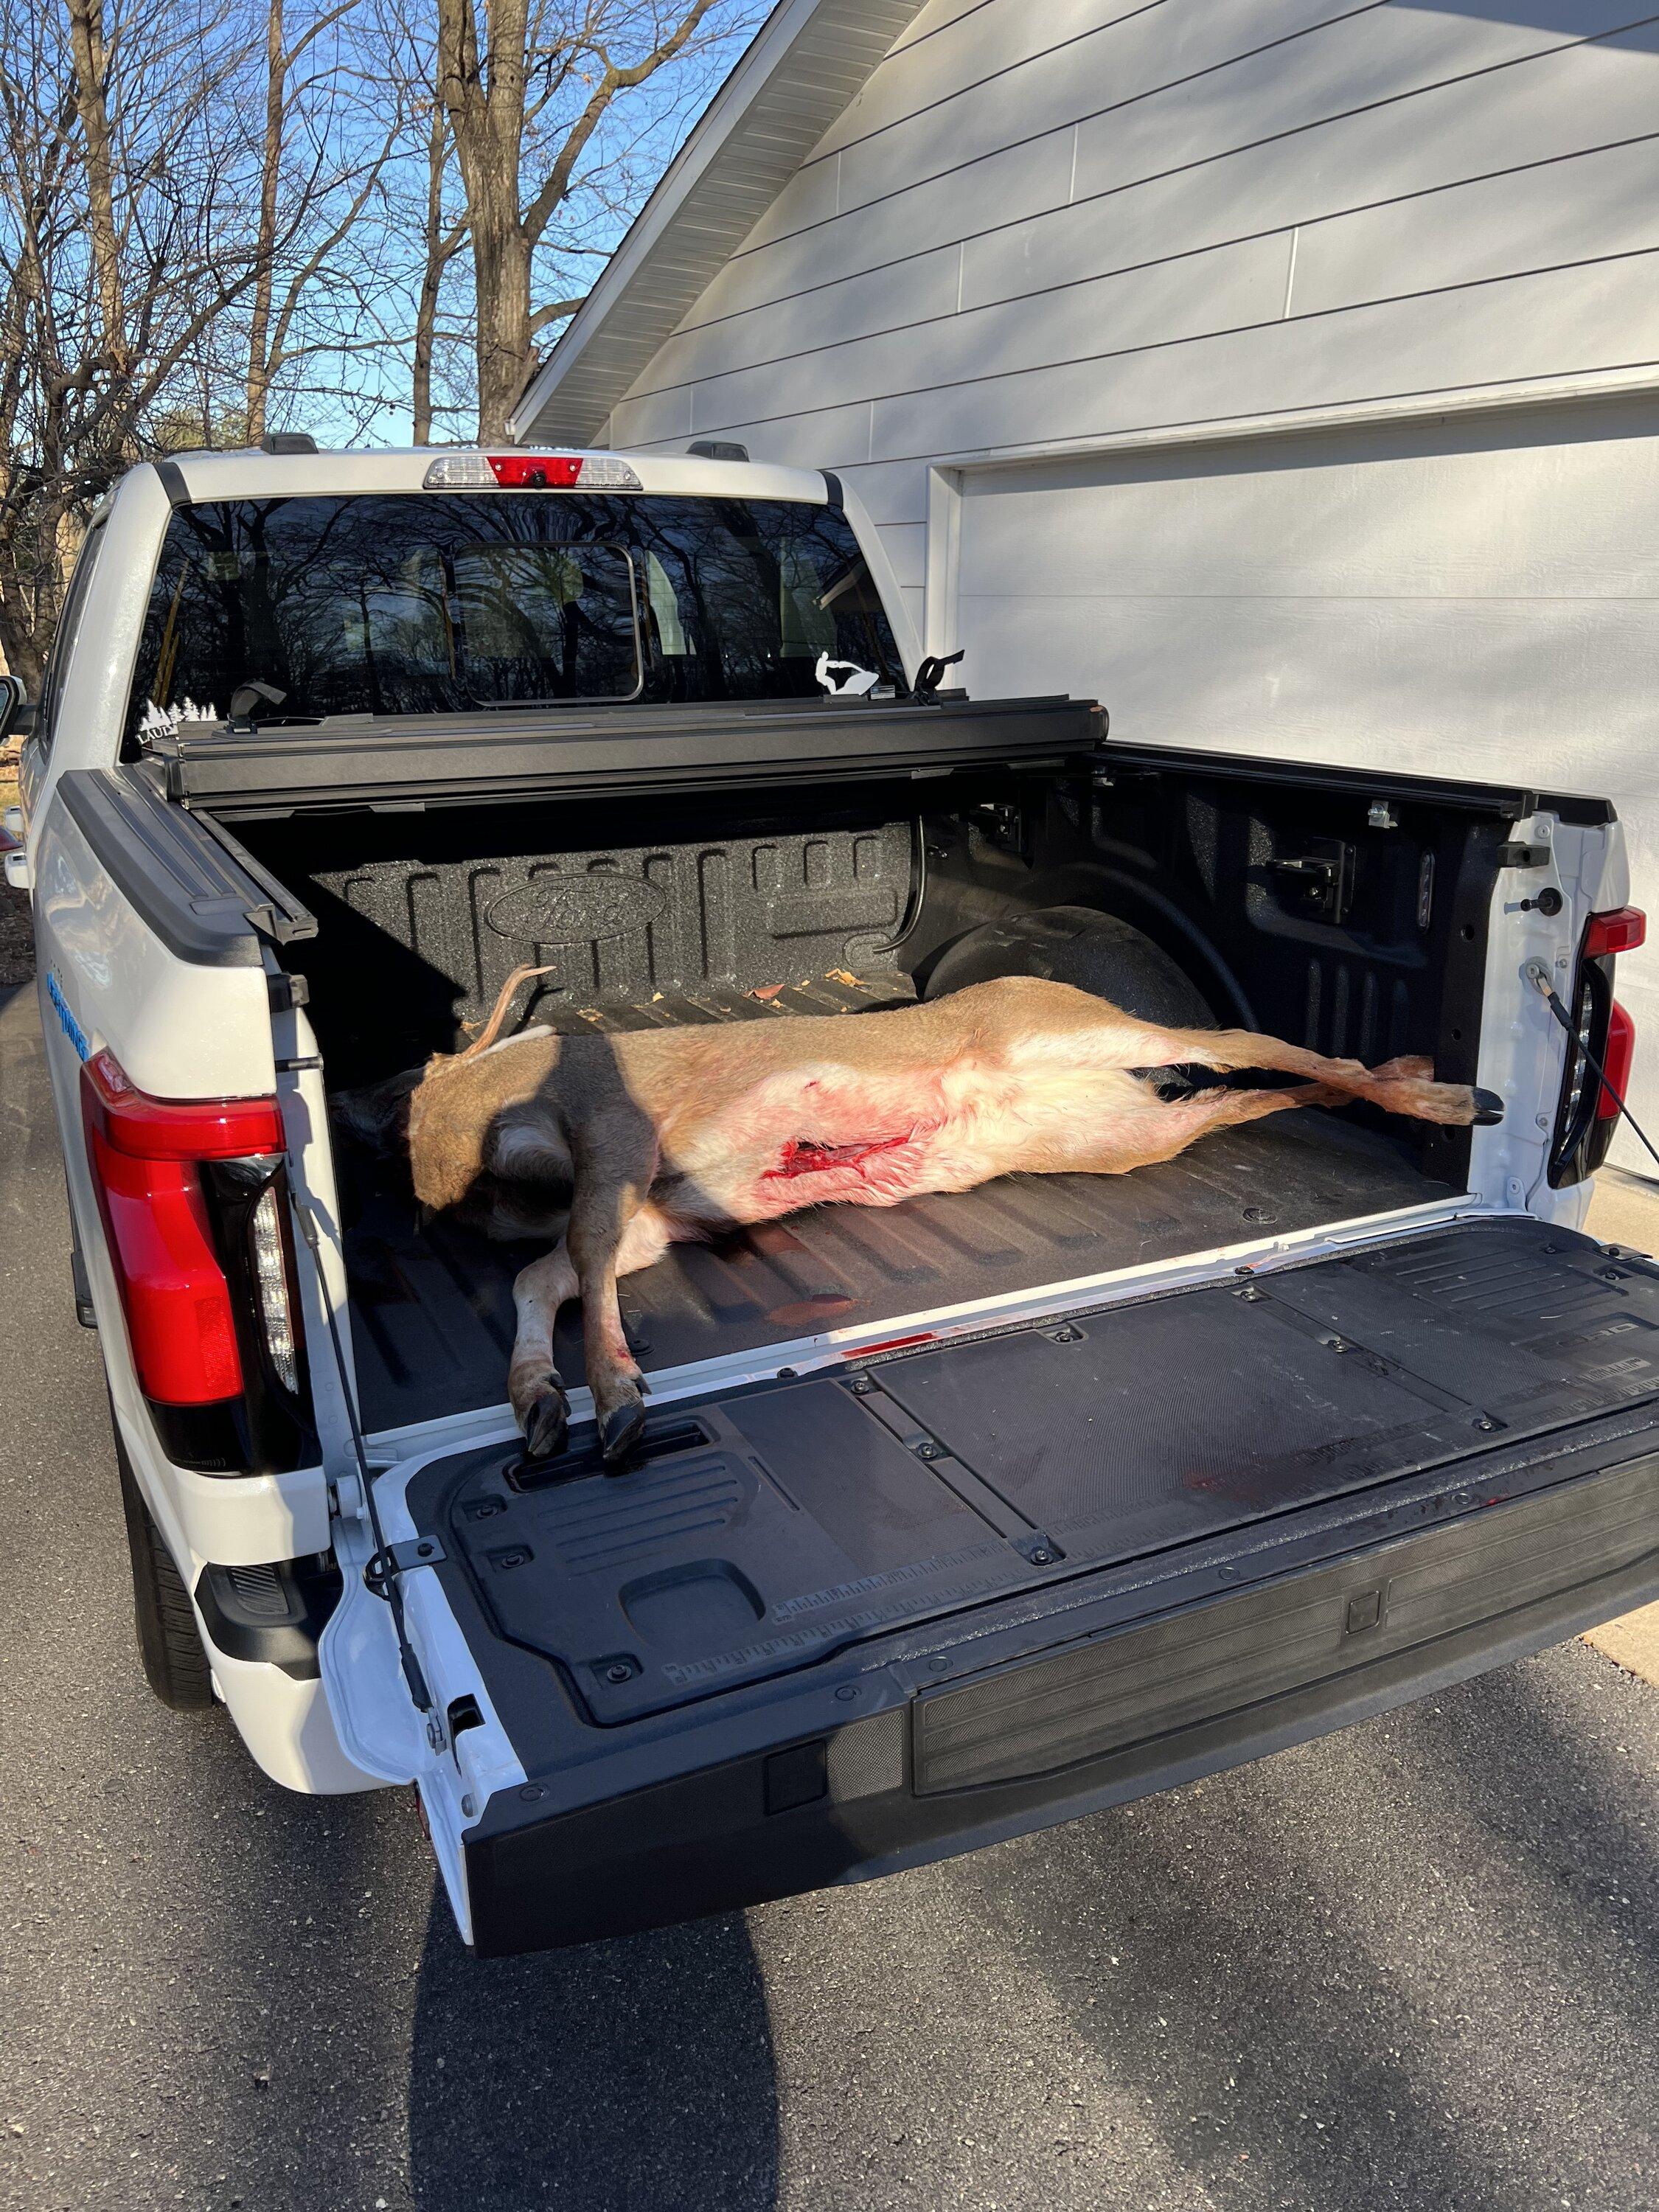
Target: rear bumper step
point(1102, 1719)
point(274, 1614)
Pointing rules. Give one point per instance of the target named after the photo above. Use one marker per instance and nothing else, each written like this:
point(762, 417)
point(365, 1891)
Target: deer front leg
point(612, 1234)
point(534, 1389)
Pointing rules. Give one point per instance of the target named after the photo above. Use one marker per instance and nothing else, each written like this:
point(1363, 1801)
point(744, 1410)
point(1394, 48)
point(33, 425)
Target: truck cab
point(950, 1521)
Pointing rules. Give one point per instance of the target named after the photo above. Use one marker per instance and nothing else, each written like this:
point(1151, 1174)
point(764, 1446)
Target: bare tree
point(441, 240)
point(214, 213)
point(532, 90)
point(422, 231)
point(160, 270)
point(312, 196)
point(89, 85)
point(106, 283)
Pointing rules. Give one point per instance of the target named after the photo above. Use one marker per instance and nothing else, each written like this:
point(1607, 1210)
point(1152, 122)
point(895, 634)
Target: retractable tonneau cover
point(580, 752)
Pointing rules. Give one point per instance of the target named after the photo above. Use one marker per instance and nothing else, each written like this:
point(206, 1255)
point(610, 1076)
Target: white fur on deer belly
point(1047, 1114)
point(842, 1137)
point(816, 1135)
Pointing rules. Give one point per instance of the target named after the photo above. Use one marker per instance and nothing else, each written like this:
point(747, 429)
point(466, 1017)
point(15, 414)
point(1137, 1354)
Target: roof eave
point(808, 61)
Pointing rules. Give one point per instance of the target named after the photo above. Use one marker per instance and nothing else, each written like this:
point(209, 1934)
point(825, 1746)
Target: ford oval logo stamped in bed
point(576, 909)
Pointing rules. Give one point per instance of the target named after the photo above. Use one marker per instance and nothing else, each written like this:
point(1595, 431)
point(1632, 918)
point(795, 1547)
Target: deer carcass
point(614, 1147)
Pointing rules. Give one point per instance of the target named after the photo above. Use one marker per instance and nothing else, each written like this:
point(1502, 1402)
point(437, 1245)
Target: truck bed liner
point(432, 1309)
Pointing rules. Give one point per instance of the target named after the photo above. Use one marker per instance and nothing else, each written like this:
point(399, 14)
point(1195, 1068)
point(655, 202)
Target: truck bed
point(432, 1308)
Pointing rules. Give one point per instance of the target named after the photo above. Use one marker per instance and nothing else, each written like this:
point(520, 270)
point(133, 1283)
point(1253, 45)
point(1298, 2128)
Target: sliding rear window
point(443, 603)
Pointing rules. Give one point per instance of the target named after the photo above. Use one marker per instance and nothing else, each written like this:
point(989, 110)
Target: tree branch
point(555, 313)
point(557, 184)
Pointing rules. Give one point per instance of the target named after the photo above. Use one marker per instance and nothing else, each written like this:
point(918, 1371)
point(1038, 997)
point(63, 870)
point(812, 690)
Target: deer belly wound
point(805, 1156)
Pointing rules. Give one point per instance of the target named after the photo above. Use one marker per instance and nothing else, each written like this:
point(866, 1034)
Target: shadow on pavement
point(635, 2075)
point(1303, 2027)
point(1578, 1841)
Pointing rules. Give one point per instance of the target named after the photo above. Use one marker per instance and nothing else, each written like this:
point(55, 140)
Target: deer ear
point(377, 1114)
point(532, 1152)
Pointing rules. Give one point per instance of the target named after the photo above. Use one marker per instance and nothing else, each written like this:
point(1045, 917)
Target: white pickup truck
point(950, 1521)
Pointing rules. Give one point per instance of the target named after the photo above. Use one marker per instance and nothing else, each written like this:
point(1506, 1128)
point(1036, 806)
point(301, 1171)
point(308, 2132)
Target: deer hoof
point(620, 1431)
point(1488, 1109)
point(546, 1420)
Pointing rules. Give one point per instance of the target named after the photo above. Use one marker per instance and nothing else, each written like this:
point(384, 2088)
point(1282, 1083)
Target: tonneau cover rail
point(580, 752)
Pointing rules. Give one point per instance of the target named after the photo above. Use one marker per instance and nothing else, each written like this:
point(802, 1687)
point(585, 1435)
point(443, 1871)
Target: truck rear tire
point(169, 1645)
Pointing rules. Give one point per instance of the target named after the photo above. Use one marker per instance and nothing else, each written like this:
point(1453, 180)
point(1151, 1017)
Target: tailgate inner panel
point(769, 1526)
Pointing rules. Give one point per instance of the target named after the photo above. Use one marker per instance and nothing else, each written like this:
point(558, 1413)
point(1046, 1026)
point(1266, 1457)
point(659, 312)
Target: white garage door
point(1476, 597)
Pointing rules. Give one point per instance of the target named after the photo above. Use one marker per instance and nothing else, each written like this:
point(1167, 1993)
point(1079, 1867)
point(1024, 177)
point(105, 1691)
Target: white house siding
point(1072, 227)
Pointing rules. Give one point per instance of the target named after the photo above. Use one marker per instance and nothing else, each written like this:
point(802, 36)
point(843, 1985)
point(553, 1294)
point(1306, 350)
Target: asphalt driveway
point(1417, 1965)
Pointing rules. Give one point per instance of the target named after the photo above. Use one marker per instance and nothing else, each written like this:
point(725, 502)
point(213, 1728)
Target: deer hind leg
point(1399, 1086)
point(1161, 1129)
point(1406, 1085)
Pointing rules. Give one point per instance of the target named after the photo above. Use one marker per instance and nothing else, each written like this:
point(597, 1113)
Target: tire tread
point(169, 1643)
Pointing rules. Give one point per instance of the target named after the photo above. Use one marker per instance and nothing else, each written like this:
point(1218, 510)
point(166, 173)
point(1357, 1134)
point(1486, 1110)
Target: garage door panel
point(1392, 684)
point(1560, 504)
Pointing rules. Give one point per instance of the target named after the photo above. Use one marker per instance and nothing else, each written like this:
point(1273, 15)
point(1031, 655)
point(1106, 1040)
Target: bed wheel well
point(1082, 946)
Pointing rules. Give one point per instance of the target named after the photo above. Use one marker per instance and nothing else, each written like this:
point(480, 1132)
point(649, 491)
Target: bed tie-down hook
point(1538, 975)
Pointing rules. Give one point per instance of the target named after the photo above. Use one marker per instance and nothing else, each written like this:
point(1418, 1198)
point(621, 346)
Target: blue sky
point(646, 129)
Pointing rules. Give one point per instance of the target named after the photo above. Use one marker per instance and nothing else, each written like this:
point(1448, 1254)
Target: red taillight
point(1616, 1061)
point(173, 1290)
point(145, 1153)
point(146, 1128)
point(530, 471)
point(1598, 1032)
point(1621, 931)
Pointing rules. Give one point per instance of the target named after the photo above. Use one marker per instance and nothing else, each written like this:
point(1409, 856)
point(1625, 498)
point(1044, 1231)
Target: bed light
point(531, 472)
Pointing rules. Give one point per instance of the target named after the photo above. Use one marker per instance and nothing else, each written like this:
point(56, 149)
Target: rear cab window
point(388, 605)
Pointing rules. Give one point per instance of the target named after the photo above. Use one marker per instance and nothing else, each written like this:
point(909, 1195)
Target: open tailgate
point(835, 1623)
